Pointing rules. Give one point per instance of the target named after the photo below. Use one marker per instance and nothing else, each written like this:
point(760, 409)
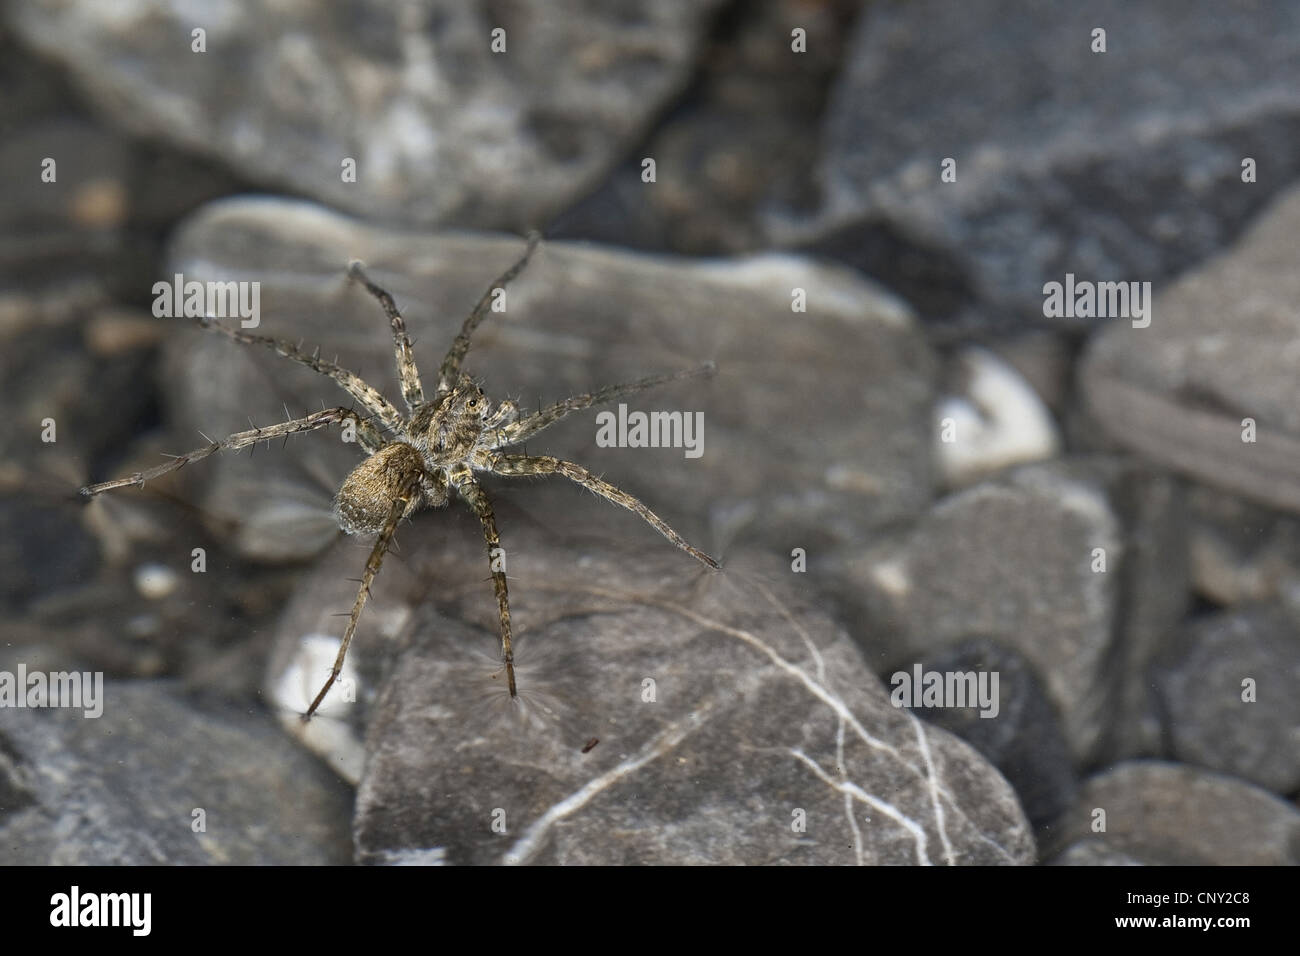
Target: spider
point(434, 450)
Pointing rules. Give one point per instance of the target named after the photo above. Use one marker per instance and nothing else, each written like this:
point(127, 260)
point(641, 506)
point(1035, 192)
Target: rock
point(43, 550)
point(440, 128)
point(734, 724)
point(815, 425)
point(68, 411)
point(1201, 689)
point(1168, 813)
point(995, 420)
point(1046, 361)
point(307, 642)
point(1010, 561)
point(1022, 737)
point(1093, 853)
point(1123, 166)
point(741, 144)
point(85, 207)
point(1220, 350)
point(1155, 596)
point(123, 788)
point(1240, 552)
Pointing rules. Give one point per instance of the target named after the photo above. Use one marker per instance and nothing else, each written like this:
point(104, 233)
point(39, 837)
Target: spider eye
point(473, 402)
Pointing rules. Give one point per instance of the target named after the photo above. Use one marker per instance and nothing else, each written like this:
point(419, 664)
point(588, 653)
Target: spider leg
point(236, 441)
point(515, 465)
point(525, 428)
point(477, 500)
point(370, 399)
point(407, 487)
point(412, 390)
point(450, 369)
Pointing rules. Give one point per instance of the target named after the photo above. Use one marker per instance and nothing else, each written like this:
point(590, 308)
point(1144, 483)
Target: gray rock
point(308, 636)
point(43, 550)
point(1200, 687)
point(440, 127)
point(1011, 561)
point(816, 423)
point(85, 207)
point(121, 789)
point(735, 723)
point(1093, 853)
point(1241, 552)
point(989, 419)
point(1172, 814)
point(741, 144)
point(1221, 348)
point(1046, 360)
point(1023, 739)
point(1155, 595)
point(1123, 165)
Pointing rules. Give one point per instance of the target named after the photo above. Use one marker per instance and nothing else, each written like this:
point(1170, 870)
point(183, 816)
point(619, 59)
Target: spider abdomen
point(368, 493)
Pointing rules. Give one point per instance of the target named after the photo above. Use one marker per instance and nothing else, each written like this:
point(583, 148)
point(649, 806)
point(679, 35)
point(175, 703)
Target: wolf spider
point(432, 451)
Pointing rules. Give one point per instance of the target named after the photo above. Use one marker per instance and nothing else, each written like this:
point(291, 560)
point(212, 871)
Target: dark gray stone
point(1172, 814)
point(728, 711)
point(1011, 561)
point(1123, 165)
point(441, 128)
point(742, 143)
point(121, 789)
point(97, 226)
point(43, 550)
point(1023, 739)
point(1155, 595)
point(1200, 687)
point(1221, 348)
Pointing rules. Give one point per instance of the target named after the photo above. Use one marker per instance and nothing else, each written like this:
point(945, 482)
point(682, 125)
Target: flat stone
point(1172, 814)
point(1222, 347)
point(816, 424)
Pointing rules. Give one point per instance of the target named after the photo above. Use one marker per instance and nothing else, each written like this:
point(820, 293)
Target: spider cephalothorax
point(452, 429)
point(419, 460)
